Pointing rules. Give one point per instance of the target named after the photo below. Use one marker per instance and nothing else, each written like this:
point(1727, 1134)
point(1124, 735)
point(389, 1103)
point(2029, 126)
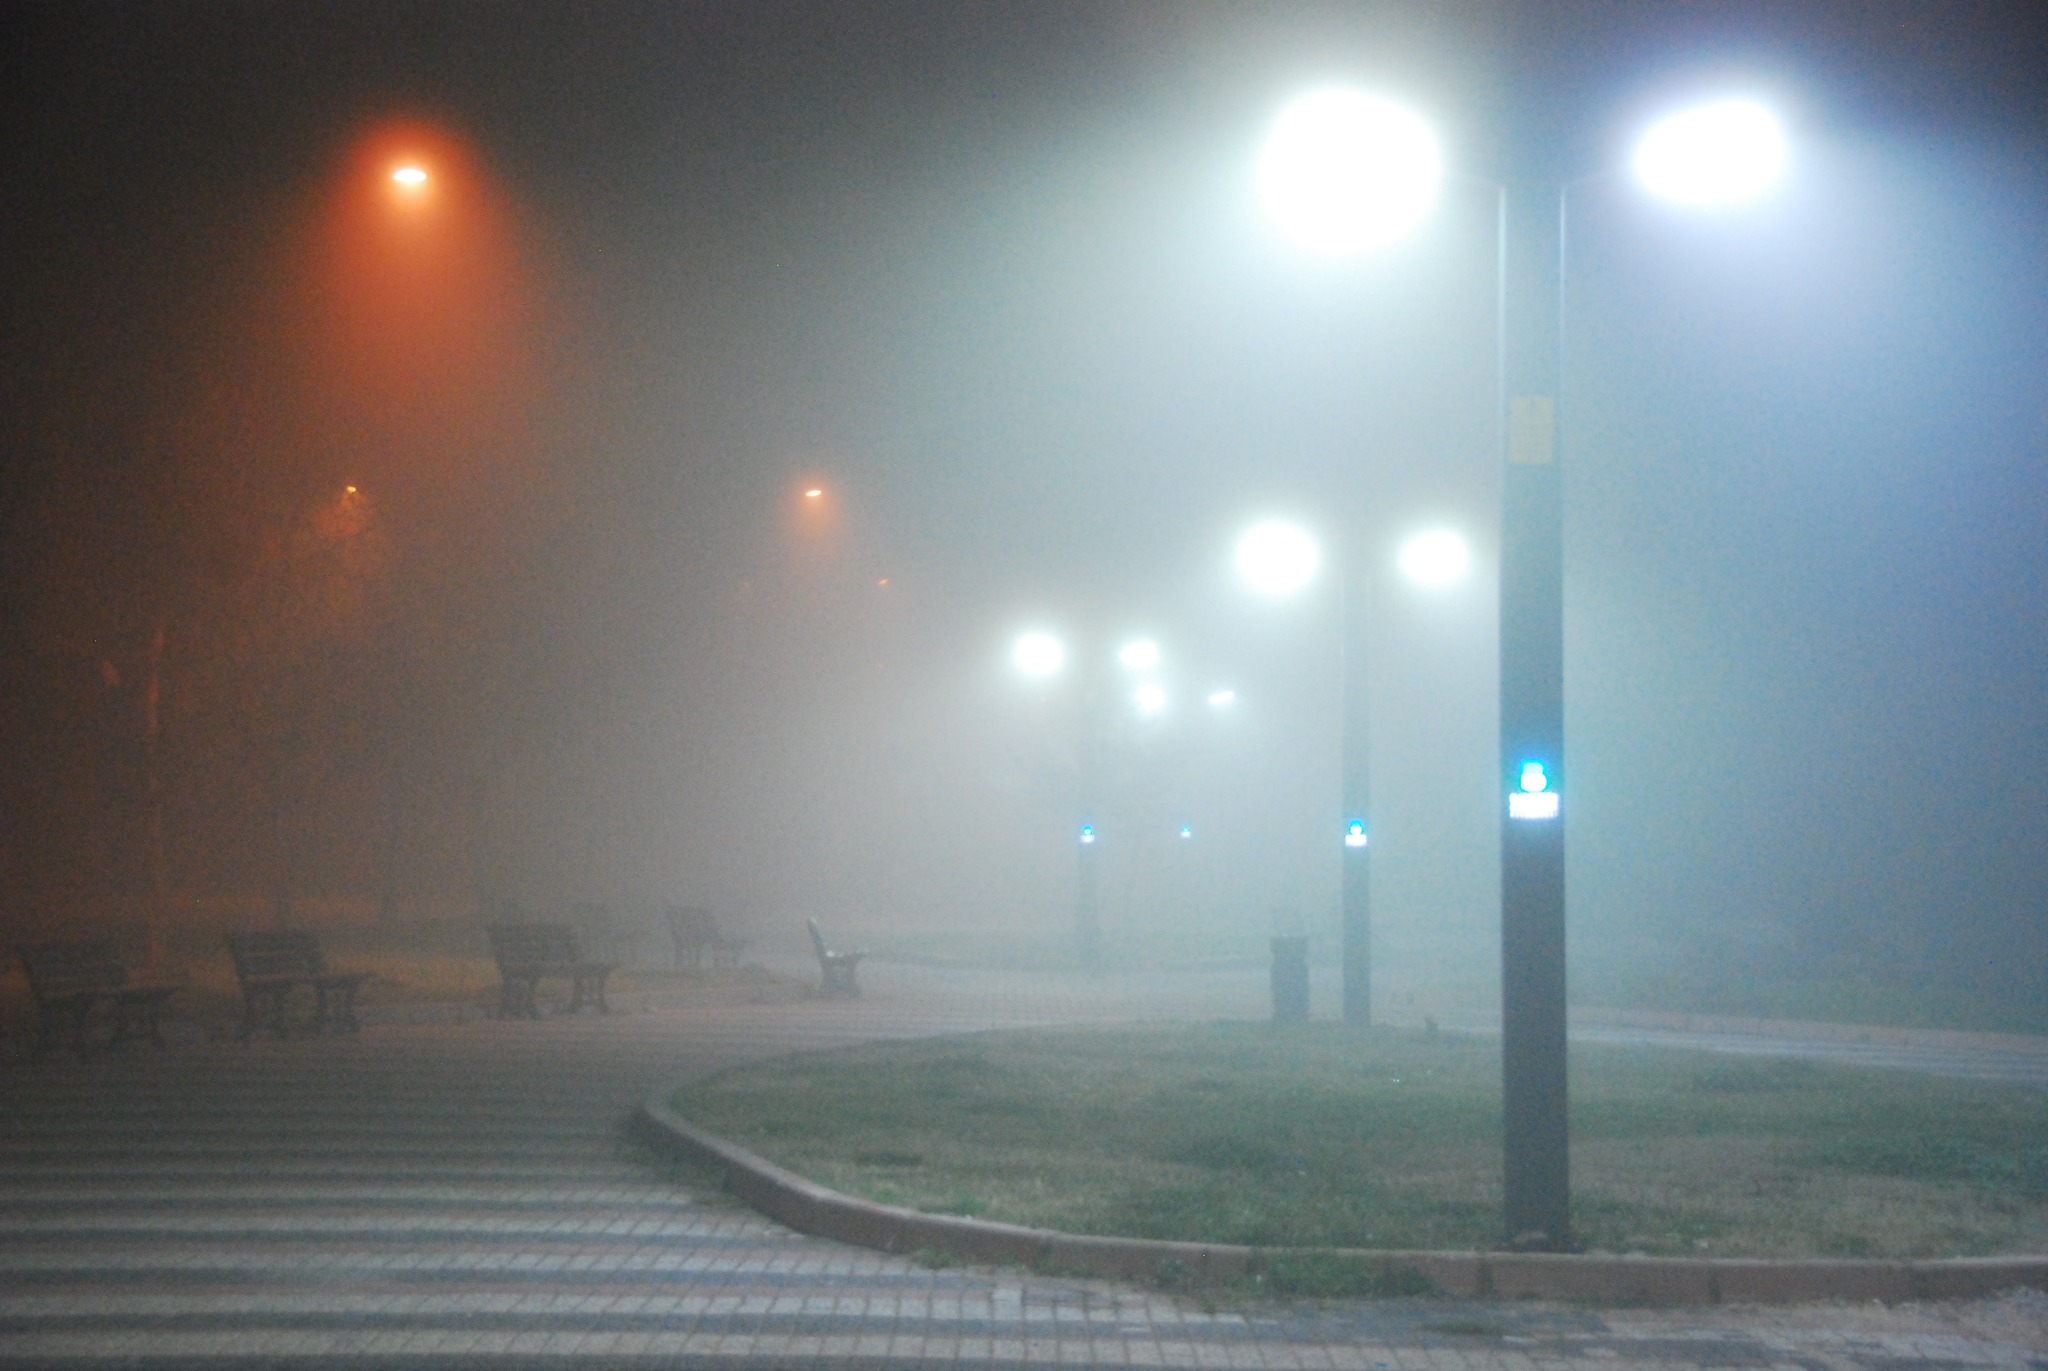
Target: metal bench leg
point(72, 1015)
point(125, 1014)
point(517, 998)
point(252, 1014)
point(338, 1009)
point(279, 998)
point(156, 1024)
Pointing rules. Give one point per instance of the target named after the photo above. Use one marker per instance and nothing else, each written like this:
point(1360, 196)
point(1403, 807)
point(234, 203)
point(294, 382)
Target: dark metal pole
point(1090, 726)
point(1087, 915)
point(1534, 1103)
point(1354, 608)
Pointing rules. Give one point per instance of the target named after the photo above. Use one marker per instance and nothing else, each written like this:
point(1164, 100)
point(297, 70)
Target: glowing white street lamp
point(1038, 654)
point(1141, 655)
point(1278, 558)
point(1150, 699)
point(1344, 172)
point(1435, 559)
point(1722, 153)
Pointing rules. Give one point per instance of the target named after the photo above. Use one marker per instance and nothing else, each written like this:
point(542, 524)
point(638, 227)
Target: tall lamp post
point(1277, 558)
point(1707, 156)
point(1353, 173)
point(1041, 656)
point(1345, 174)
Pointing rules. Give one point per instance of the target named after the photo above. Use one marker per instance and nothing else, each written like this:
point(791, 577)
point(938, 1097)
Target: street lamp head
point(1223, 698)
point(1436, 558)
point(1038, 654)
point(1344, 172)
point(1716, 154)
point(1139, 655)
point(1150, 699)
point(1278, 558)
point(410, 177)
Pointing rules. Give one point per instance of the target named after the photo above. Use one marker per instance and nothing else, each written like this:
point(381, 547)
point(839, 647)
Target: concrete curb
point(812, 1208)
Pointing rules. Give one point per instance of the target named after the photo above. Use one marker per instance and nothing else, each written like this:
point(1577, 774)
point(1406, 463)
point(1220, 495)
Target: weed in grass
point(1232, 1153)
point(1466, 1328)
point(1846, 1245)
point(2007, 1164)
point(1752, 1077)
point(1332, 1275)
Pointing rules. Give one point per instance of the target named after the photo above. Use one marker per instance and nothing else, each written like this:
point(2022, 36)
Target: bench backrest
point(273, 953)
point(522, 948)
point(818, 941)
point(57, 969)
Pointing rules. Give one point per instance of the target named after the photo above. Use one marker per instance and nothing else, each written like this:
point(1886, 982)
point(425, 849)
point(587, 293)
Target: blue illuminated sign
point(1535, 799)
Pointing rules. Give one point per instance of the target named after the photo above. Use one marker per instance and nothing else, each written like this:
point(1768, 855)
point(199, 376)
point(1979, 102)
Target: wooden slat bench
point(272, 964)
point(528, 952)
point(70, 978)
point(836, 970)
point(695, 934)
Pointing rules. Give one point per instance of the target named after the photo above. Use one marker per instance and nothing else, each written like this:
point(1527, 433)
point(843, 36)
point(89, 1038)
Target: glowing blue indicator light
point(1087, 834)
point(1187, 831)
point(1354, 833)
point(1535, 800)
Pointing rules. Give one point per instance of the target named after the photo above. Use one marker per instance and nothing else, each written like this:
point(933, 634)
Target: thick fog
point(429, 563)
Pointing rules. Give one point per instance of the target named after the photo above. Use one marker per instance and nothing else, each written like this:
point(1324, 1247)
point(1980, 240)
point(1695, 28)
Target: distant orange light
point(349, 490)
point(813, 493)
point(884, 581)
point(409, 176)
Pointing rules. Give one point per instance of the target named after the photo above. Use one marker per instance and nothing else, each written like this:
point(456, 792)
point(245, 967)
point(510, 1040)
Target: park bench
point(70, 978)
point(271, 964)
point(695, 934)
point(528, 952)
point(835, 969)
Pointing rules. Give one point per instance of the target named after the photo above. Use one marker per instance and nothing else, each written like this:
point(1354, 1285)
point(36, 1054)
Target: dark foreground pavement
point(456, 1194)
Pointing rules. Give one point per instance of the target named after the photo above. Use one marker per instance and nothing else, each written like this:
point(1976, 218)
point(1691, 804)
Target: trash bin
point(1290, 979)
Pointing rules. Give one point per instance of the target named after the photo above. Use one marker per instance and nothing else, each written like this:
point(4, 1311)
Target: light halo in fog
point(1038, 654)
point(1344, 172)
point(1721, 153)
point(1278, 558)
point(1435, 558)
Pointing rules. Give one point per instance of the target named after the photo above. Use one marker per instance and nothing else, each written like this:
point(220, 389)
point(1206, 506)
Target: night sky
point(477, 545)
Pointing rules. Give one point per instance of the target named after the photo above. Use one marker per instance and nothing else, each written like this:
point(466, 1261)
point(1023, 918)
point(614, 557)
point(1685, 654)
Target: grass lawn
point(1318, 1136)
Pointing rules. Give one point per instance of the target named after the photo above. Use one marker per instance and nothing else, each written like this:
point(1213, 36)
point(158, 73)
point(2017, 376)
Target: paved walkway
point(453, 1194)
